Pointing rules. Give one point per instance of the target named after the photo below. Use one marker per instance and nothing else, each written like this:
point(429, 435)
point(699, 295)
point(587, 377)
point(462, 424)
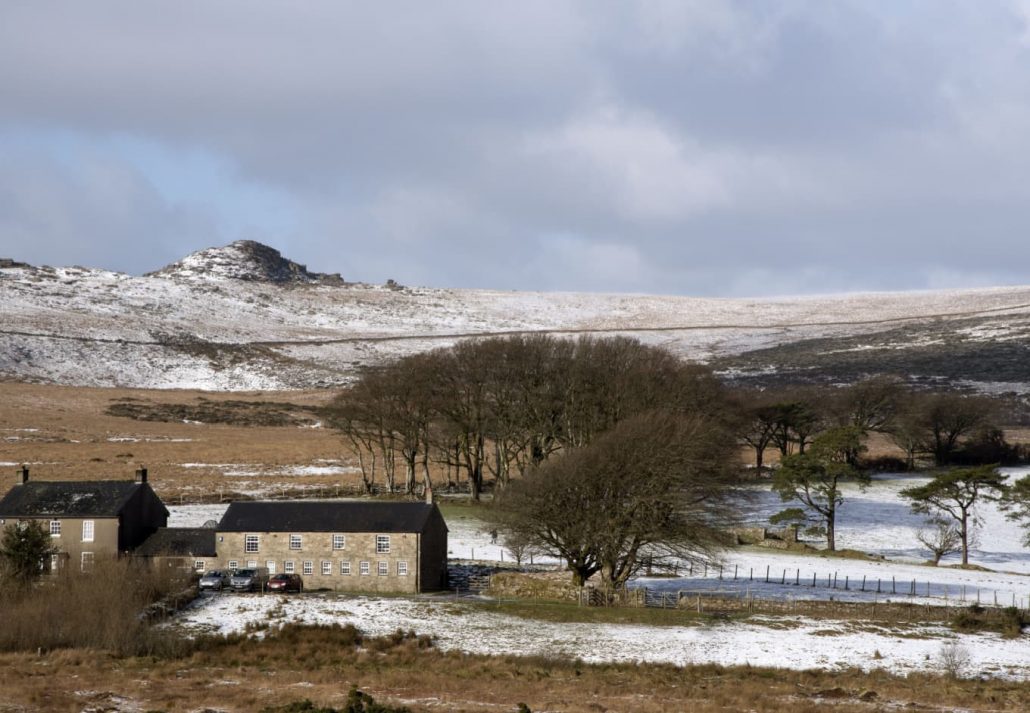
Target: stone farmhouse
point(87, 520)
point(349, 546)
point(353, 546)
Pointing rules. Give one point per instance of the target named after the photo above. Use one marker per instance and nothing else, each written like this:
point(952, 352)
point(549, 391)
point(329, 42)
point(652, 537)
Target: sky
point(692, 147)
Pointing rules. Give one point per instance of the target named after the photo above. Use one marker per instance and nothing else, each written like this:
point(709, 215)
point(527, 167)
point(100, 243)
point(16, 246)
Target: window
point(339, 542)
point(251, 564)
point(87, 531)
point(233, 565)
point(270, 566)
point(87, 561)
point(288, 567)
point(55, 562)
point(345, 568)
point(382, 544)
point(383, 568)
point(402, 569)
point(295, 542)
point(55, 528)
point(364, 568)
point(309, 567)
point(250, 543)
point(327, 567)
point(199, 566)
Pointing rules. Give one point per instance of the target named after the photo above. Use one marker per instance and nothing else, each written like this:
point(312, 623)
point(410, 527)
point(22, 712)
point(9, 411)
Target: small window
point(55, 562)
point(55, 528)
point(309, 567)
point(270, 566)
point(87, 561)
point(382, 544)
point(199, 566)
point(295, 542)
point(383, 568)
point(365, 568)
point(339, 542)
point(327, 567)
point(345, 568)
point(233, 565)
point(402, 569)
point(250, 543)
point(251, 564)
point(87, 531)
point(288, 567)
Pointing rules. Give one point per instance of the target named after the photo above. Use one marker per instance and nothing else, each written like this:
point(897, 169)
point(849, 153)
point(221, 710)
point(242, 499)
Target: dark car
point(286, 583)
point(249, 580)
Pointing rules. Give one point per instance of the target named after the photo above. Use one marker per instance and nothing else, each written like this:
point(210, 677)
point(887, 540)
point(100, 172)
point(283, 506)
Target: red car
point(286, 583)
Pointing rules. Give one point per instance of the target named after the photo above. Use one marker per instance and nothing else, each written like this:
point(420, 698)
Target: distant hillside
point(243, 317)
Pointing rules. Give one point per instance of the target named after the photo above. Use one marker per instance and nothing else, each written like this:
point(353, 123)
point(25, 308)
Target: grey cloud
point(671, 146)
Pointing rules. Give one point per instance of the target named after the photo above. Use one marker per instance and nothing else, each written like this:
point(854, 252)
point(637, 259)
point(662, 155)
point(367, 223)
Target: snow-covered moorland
point(238, 318)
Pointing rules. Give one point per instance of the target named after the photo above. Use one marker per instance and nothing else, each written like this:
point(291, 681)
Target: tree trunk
point(965, 538)
point(831, 535)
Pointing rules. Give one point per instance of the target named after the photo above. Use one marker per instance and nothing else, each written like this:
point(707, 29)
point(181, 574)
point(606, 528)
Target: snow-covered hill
point(243, 317)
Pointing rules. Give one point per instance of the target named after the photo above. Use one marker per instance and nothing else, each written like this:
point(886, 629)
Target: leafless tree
point(941, 537)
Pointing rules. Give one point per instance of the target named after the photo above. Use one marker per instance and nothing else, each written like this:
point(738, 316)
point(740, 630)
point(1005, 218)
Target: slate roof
point(326, 516)
point(179, 542)
point(97, 498)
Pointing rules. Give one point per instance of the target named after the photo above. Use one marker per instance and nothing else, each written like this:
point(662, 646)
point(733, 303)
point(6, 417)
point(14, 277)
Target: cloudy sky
point(685, 146)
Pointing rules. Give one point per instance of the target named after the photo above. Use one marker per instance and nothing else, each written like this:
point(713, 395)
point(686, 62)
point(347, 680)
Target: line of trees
point(497, 407)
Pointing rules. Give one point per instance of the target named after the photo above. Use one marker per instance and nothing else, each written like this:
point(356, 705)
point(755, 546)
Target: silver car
point(214, 580)
point(249, 580)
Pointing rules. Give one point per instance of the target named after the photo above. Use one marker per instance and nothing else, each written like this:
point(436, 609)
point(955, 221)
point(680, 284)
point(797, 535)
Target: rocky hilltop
point(244, 260)
point(244, 317)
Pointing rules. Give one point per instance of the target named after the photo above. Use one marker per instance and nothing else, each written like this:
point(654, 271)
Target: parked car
point(215, 580)
point(286, 583)
point(249, 580)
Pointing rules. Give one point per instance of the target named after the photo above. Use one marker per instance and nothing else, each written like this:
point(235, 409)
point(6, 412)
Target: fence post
point(846, 577)
point(767, 574)
point(797, 577)
point(734, 573)
point(813, 580)
point(783, 579)
point(894, 585)
point(863, 582)
point(751, 574)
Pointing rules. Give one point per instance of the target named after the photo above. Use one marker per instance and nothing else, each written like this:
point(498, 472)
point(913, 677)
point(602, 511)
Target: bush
point(103, 609)
point(1008, 622)
point(357, 702)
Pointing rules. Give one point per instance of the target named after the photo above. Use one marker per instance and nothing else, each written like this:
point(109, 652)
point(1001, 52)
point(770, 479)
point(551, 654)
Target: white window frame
point(345, 568)
point(289, 567)
point(233, 565)
point(87, 561)
point(251, 564)
point(296, 542)
point(55, 528)
point(199, 565)
point(382, 568)
point(402, 568)
point(55, 562)
point(308, 568)
point(88, 531)
point(365, 569)
point(382, 544)
point(327, 568)
point(270, 566)
point(251, 543)
point(339, 541)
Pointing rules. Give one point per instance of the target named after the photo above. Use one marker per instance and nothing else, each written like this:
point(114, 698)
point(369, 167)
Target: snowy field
point(875, 521)
point(762, 641)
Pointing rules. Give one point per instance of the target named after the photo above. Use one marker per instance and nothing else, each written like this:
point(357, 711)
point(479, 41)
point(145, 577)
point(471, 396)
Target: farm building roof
point(96, 498)
point(179, 541)
point(326, 516)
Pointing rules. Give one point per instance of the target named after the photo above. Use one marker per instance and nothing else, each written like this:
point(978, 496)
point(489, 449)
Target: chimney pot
point(141, 475)
point(23, 475)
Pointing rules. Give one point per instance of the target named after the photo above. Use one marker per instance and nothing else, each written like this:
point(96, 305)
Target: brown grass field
point(320, 664)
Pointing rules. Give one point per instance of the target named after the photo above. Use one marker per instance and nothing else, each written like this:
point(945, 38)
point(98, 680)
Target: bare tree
point(941, 537)
point(655, 484)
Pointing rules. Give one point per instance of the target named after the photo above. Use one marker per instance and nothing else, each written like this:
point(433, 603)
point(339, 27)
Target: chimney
point(23, 475)
point(141, 475)
point(429, 493)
